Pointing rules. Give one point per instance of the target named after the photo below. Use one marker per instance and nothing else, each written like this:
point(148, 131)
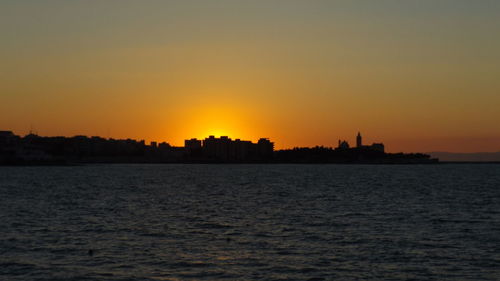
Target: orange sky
point(416, 76)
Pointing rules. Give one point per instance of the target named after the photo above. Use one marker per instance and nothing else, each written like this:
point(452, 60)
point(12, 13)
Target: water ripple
point(250, 222)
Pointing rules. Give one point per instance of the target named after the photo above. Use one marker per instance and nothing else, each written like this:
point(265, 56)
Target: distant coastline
point(479, 157)
point(37, 150)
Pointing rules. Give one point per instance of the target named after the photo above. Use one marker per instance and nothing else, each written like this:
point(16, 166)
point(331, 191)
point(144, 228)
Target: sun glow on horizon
point(416, 76)
point(205, 119)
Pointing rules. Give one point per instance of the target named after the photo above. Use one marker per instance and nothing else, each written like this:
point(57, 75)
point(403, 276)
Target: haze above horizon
point(416, 75)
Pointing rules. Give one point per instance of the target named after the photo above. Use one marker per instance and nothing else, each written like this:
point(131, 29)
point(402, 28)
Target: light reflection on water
point(250, 222)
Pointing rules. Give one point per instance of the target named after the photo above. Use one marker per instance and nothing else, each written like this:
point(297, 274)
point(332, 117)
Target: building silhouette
point(224, 149)
point(192, 145)
point(33, 150)
point(378, 147)
point(344, 145)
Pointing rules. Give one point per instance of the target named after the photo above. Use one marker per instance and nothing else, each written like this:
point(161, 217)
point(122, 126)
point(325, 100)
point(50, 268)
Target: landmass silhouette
point(37, 150)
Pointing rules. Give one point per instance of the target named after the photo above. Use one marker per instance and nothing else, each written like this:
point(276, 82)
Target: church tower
point(359, 140)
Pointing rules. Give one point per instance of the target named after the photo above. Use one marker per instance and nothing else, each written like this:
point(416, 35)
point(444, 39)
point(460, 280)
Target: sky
point(417, 75)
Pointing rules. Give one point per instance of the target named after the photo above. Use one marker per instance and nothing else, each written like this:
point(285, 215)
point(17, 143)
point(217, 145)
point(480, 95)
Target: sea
point(250, 222)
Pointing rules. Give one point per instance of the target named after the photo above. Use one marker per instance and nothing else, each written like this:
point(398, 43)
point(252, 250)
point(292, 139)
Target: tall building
point(359, 140)
point(225, 149)
point(192, 144)
point(265, 148)
point(7, 137)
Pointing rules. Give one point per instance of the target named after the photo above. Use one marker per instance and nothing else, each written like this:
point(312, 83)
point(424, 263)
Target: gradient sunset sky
point(417, 75)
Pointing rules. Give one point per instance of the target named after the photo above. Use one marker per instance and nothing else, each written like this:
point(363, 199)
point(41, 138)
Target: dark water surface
point(250, 222)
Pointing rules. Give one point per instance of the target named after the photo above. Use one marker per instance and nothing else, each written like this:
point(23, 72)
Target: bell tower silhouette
point(359, 140)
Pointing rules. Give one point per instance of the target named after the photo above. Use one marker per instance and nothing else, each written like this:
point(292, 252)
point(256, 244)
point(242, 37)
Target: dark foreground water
point(250, 222)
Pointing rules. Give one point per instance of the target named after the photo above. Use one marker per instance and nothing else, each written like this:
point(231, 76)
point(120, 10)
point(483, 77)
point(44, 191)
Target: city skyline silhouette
point(33, 150)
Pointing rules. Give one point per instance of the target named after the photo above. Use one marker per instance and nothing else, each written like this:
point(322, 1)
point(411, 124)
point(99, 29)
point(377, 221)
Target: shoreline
point(239, 163)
